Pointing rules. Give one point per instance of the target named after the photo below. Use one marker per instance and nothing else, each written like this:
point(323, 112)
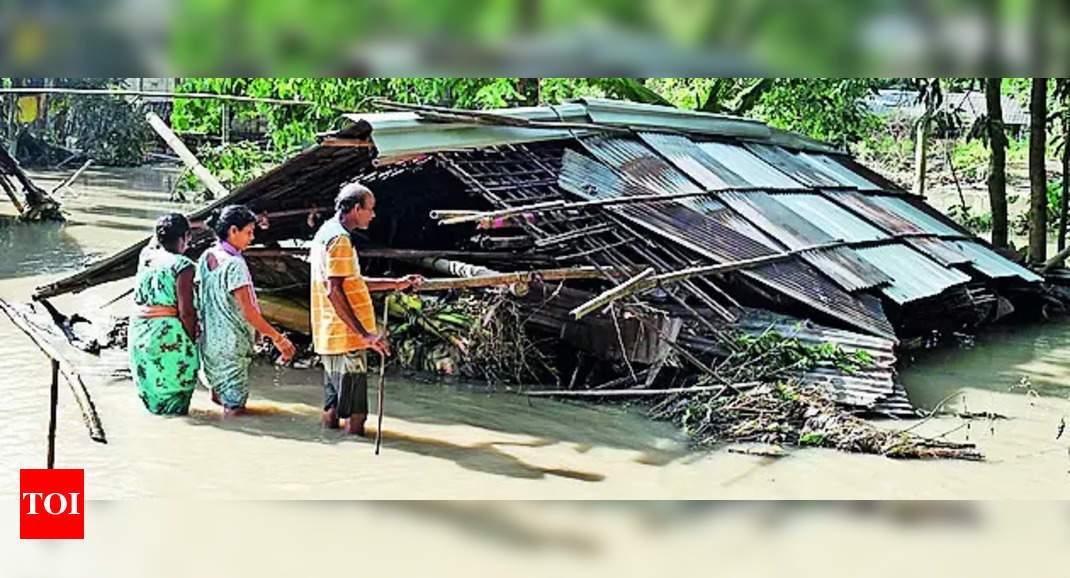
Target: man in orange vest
point(343, 320)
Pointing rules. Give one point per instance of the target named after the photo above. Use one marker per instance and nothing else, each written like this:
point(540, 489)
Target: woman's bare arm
point(187, 314)
point(244, 295)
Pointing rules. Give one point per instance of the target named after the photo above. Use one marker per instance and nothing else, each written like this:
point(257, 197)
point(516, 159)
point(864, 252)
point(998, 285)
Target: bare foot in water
point(355, 424)
point(330, 418)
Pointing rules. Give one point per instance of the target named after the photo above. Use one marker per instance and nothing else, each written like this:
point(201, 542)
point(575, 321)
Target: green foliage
point(233, 164)
point(971, 159)
point(779, 353)
point(812, 439)
point(981, 223)
point(831, 110)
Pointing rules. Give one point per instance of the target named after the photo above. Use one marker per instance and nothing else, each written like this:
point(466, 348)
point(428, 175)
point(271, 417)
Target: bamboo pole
point(610, 295)
point(637, 392)
point(66, 183)
point(50, 461)
point(184, 153)
point(1056, 260)
point(400, 254)
point(512, 278)
point(467, 217)
point(164, 94)
point(66, 368)
point(382, 379)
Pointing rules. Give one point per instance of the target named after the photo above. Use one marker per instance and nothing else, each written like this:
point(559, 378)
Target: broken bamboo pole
point(675, 276)
point(66, 368)
point(513, 278)
point(1056, 260)
point(455, 217)
point(611, 295)
point(639, 392)
point(70, 180)
point(187, 157)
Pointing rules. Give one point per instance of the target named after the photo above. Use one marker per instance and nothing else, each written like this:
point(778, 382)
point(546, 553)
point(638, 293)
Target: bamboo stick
point(400, 254)
point(53, 401)
point(164, 94)
point(512, 278)
point(637, 392)
point(187, 157)
point(1056, 260)
point(66, 368)
point(73, 177)
point(610, 295)
point(563, 205)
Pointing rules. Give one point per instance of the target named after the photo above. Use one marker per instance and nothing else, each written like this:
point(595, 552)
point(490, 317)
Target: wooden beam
point(66, 183)
point(187, 157)
point(517, 277)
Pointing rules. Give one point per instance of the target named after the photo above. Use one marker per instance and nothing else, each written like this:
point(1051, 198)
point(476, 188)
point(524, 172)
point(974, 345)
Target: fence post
point(54, 399)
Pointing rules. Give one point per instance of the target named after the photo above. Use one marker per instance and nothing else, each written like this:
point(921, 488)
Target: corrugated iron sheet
point(914, 276)
point(689, 158)
point(942, 251)
point(840, 264)
point(834, 220)
point(754, 170)
point(870, 387)
point(908, 211)
point(792, 166)
point(835, 171)
point(712, 232)
point(992, 264)
point(874, 212)
point(782, 223)
point(846, 268)
point(639, 164)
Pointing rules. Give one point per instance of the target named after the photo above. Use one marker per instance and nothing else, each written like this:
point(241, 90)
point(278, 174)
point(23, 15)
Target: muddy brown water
point(463, 441)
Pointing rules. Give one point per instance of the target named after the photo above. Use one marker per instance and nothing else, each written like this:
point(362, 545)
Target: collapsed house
point(773, 231)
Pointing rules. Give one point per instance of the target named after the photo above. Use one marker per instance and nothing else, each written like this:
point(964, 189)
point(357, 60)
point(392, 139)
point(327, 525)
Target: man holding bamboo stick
point(343, 319)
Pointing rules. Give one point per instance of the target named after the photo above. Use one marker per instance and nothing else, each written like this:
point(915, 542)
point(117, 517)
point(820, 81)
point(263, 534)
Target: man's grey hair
point(351, 195)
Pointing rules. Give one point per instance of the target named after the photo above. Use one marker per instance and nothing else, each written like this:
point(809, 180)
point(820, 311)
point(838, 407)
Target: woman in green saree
point(163, 328)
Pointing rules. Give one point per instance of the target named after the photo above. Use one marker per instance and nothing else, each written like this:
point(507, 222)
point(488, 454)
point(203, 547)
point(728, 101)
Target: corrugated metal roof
point(640, 164)
point(636, 114)
point(689, 158)
point(908, 211)
point(834, 220)
point(914, 276)
point(869, 387)
point(942, 251)
point(874, 212)
point(846, 268)
point(992, 264)
point(754, 170)
point(836, 171)
point(776, 219)
point(715, 233)
point(790, 165)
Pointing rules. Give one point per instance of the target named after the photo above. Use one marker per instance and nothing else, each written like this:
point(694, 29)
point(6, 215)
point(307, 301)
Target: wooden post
point(53, 400)
point(921, 146)
point(187, 157)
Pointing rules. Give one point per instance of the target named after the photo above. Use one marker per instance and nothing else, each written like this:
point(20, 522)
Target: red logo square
point(51, 504)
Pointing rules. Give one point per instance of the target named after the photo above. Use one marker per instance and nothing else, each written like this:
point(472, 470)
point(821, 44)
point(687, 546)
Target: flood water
point(456, 441)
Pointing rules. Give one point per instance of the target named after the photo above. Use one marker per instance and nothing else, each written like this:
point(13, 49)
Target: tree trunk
point(1038, 186)
point(997, 165)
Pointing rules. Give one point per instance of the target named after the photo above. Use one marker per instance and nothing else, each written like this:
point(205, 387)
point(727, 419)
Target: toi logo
point(51, 503)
